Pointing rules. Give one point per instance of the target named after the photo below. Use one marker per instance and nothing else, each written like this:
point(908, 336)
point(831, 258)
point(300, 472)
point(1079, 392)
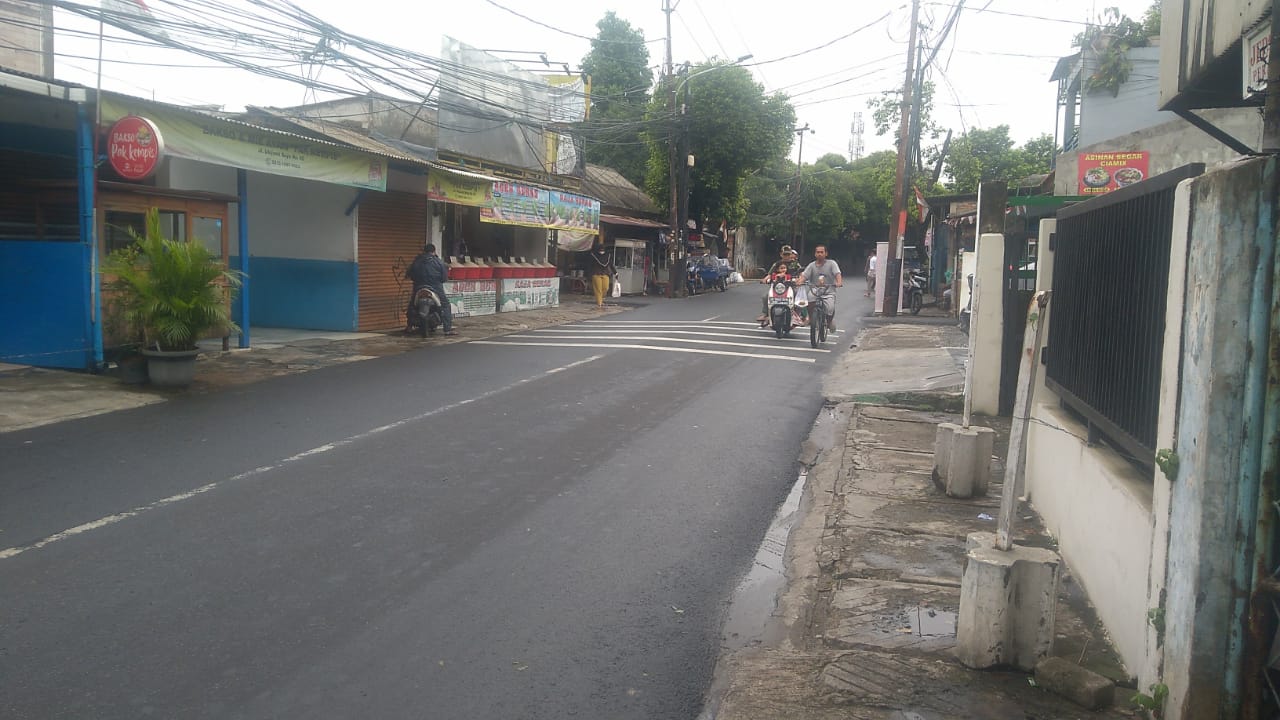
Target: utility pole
point(675, 277)
point(795, 212)
point(1271, 105)
point(898, 222)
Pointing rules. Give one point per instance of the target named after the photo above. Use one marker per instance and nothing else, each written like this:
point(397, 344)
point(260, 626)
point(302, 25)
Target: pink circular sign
point(134, 147)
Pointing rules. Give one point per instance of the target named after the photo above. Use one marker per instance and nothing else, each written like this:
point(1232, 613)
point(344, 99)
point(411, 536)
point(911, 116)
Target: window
point(119, 228)
point(208, 232)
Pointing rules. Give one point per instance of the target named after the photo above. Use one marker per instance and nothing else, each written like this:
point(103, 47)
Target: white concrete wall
point(967, 260)
point(1098, 507)
point(1134, 108)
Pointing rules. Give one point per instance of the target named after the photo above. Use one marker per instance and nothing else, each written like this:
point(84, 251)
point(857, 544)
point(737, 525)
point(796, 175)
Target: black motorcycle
point(426, 314)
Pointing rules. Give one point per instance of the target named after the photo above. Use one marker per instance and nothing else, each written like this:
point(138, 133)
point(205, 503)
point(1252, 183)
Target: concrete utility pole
point(675, 277)
point(898, 222)
point(795, 213)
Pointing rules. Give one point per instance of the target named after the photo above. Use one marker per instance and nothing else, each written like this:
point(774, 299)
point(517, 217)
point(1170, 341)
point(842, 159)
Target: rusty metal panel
point(392, 230)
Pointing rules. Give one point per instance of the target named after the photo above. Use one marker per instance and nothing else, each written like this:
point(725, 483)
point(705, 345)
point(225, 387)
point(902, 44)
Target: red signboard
point(1102, 172)
point(134, 147)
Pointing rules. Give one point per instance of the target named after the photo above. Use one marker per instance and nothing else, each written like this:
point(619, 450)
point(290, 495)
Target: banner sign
point(134, 147)
point(448, 187)
point(1103, 172)
point(573, 212)
point(528, 293)
point(213, 140)
point(1257, 48)
point(517, 204)
point(470, 298)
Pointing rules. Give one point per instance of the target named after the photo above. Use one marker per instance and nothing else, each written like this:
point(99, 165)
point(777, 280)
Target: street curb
point(908, 320)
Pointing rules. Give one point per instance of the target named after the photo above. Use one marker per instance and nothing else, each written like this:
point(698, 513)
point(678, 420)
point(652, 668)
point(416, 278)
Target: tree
point(730, 126)
point(981, 155)
point(618, 64)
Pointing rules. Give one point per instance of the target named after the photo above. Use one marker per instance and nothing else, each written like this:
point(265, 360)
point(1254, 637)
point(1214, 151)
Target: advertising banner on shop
point(516, 204)
point(223, 142)
point(470, 298)
point(1102, 172)
point(457, 189)
point(528, 293)
point(573, 212)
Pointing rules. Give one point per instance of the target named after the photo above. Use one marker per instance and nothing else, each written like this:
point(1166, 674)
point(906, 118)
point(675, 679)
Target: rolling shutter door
point(393, 227)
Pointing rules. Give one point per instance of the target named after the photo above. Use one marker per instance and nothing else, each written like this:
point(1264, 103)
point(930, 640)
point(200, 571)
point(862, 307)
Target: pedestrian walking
point(600, 269)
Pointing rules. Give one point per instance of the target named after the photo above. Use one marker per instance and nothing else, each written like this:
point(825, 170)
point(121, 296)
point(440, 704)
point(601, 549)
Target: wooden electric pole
point(898, 222)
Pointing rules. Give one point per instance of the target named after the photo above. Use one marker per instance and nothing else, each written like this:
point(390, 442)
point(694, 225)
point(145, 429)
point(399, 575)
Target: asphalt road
point(546, 525)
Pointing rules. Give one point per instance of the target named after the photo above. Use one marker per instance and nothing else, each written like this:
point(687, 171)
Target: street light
point(795, 214)
point(676, 270)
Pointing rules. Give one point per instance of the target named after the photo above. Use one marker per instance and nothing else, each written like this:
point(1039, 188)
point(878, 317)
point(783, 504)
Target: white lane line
point(663, 338)
point(726, 334)
point(666, 323)
point(696, 351)
point(118, 517)
point(713, 317)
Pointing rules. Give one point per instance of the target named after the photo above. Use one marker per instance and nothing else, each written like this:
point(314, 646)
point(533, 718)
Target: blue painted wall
point(43, 304)
point(303, 294)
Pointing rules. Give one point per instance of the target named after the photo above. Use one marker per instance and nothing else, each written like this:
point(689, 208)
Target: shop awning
point(627, 220)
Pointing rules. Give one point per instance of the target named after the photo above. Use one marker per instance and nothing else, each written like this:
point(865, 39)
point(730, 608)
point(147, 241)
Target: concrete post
point(1008, 604)
point(986, 328)
point(962, 458)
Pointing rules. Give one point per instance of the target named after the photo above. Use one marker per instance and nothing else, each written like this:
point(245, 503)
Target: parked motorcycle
point(427, 314)
point(913, 285)
point(782, 304)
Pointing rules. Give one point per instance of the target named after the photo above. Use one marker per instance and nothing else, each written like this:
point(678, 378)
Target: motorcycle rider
point(829, 271)
point(788, 264)
point(429, 271)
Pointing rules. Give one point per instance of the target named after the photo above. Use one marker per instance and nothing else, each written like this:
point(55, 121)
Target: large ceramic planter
point(171, 368)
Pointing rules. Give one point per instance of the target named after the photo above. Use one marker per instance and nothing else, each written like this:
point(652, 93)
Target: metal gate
point(1018, 288)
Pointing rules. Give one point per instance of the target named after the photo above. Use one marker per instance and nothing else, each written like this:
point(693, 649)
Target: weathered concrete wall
point(1229, 260)
point(1172, 144)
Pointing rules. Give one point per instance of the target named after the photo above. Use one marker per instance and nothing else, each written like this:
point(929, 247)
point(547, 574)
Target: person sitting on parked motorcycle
point(823, 272)
point(786, 265)
point(429, 271)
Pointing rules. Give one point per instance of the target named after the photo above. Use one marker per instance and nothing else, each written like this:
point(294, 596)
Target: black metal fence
point(1106, 331)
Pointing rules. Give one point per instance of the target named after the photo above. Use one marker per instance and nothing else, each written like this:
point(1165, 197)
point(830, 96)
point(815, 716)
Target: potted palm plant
point(174, 293)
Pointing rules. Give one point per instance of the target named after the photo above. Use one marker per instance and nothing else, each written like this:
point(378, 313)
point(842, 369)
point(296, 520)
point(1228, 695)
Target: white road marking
point(696, 351)
point(117, 517)
point(713, 317)
point(662, 338)
point(728, 333)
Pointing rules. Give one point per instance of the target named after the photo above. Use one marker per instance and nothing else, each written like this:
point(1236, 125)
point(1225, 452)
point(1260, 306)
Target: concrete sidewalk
point(31, 397)
point(867, 621)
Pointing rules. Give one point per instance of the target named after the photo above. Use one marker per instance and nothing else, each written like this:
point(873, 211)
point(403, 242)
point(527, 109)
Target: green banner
point(573, 212)
point(195, 136)
point(517, 204)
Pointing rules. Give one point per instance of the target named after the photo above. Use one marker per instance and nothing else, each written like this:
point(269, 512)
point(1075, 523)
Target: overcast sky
point(994, 68)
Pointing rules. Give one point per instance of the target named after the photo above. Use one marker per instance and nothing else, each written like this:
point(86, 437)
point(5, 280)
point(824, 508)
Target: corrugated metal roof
point(340, 134)
point(613, 190)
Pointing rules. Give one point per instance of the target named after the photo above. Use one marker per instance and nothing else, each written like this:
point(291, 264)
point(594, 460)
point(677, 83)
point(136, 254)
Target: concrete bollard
point(1008, 603)
point(962, 458)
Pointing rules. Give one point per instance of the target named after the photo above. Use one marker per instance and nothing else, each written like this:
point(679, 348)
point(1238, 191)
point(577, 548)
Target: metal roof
point(340, 133)
point(613, 190)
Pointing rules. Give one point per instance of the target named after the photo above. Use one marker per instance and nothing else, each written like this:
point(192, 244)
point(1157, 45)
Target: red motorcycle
point(782, 304)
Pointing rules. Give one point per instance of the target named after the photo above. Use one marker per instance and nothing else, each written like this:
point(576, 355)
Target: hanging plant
point(1110, 40)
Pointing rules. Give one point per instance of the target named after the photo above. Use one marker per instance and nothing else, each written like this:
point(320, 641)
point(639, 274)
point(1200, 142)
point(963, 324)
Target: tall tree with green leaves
point(731, 127)
point(981, 155)
point(618, 64)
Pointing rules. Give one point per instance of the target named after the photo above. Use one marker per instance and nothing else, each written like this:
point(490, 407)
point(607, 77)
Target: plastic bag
point(735, 277)
point(802, 296)
point(617, 287)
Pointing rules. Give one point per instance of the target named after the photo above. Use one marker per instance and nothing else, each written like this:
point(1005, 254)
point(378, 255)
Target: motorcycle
point(427, 314)
point(913, 285)
point(782, 304)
